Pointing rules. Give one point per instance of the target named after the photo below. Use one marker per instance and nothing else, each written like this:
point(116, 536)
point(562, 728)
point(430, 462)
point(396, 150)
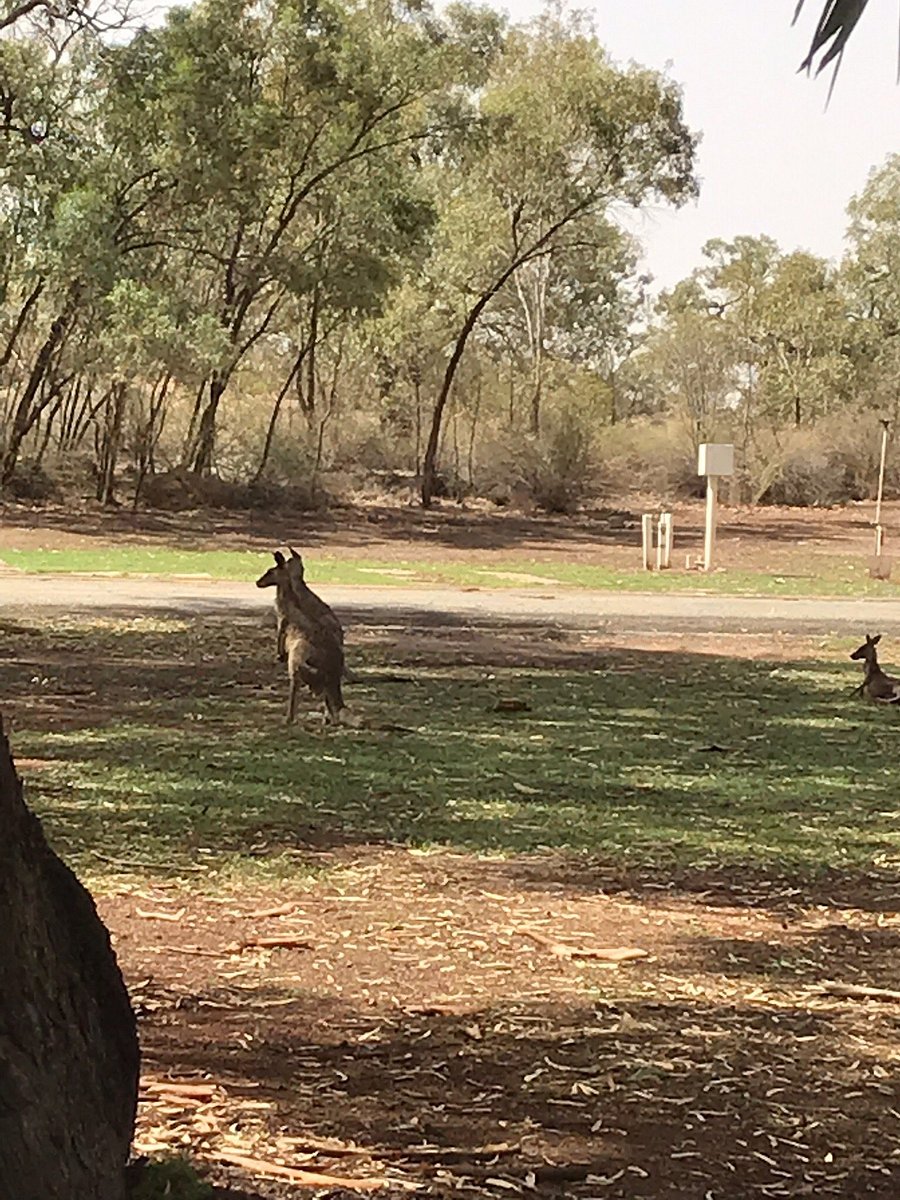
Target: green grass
point(837, 577)
point(170, 753)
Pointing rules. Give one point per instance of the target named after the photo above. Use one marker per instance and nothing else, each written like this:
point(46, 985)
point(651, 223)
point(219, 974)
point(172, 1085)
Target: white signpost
point(664, 536)
point(880, 567)
point(714, 460)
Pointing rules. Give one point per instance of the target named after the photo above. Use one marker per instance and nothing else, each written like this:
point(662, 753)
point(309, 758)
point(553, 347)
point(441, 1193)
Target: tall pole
point(884, 440)
point(709, 540)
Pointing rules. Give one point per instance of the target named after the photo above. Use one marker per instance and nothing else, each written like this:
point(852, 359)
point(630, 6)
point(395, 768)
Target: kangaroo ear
point(294, 553)
point(875, 640)
point(279, 558)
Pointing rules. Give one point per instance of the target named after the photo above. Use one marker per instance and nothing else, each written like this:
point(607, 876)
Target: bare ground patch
point(419, 1035)
point(792, 541)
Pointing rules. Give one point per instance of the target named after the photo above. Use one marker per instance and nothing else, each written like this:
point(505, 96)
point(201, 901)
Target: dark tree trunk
point(110, 439)
point(203, 449)
point(429, 464)
point(276, 410)
point(69, 1057)
point(32, 401)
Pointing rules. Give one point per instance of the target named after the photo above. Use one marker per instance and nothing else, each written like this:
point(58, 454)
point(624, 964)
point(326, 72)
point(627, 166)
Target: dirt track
point(573, 608)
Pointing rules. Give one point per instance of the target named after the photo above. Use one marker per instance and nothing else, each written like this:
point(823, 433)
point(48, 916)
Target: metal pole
point(664, 547)
point(647, 540)
point(884, 438)
point(709, 540)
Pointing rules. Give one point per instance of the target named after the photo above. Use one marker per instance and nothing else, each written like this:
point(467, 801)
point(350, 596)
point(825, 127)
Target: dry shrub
point(556, 471)
point(650, 456)
point(183, 491)
point(830, 463)
point(32, 482)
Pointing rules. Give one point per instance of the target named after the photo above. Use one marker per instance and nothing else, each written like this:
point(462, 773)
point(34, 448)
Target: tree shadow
point(449, 526)
point(829, 952)
point(649, 770)
point(741, 884)
point(639, 1097)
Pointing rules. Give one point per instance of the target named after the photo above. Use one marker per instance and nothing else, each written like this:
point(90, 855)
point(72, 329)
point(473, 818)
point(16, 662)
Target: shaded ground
point(420, 1028)
point(802, 541)
point(717, 802)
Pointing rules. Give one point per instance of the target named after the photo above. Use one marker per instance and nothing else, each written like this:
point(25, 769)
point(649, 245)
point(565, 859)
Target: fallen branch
point(161, 916)
point(175, 1087)
point(284, 941)
point(563, 950)
point(197, 950)
point(543, 1173)
point(130, 864)
point(455, 1154)
point(856, 991)
point(283, 910)
point(407, 1153)
point(258, 1166)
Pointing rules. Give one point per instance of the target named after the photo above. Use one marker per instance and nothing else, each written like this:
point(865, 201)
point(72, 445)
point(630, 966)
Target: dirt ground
point(431, 1022)
point(441, 1024)
point(446, 1024)
point(754, 539)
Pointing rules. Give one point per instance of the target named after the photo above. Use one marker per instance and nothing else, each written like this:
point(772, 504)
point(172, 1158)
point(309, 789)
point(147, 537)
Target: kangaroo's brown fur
point(876, 685)
point(314, 654)
point(313, 605)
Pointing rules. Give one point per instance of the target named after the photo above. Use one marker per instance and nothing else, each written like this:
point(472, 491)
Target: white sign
point(715, 458)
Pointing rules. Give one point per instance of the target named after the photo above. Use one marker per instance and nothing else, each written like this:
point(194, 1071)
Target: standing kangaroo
point(314, 606)
point(314, 654)
point(876, 685)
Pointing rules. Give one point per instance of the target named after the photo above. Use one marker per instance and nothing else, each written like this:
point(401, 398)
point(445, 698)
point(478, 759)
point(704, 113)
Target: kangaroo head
point(274, 576)
point(867, 649)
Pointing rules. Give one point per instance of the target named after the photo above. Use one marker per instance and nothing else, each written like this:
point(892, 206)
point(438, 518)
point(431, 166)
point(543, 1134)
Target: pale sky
point(772, 159)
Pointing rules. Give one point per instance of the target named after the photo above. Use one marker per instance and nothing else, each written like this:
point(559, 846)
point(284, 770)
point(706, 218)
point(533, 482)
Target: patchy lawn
point(787, 552)
point(440, 876)
point(834, 577)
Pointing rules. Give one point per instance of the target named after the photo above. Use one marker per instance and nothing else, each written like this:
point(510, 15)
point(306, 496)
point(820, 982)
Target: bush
point(32, 482)
point(831, 463)
point(652, 457)
point(556, 471)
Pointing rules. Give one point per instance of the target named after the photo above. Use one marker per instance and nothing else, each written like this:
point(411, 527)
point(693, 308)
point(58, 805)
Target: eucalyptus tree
point(564, 137)
point(275, 127)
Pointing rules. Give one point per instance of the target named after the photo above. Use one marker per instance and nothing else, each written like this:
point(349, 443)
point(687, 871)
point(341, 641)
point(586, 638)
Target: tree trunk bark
point(69, 1058)
point(110, 438)
point(30, 406)
point(429, 465)
point(276, 410)
point(203, 449)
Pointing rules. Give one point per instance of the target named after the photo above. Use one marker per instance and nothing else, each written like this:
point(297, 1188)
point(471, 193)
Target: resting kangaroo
point(876, 685)
point(314, 654)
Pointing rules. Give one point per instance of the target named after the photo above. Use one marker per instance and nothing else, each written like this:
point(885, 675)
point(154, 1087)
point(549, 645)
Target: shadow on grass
point(655, 1097)
point(162, 741)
